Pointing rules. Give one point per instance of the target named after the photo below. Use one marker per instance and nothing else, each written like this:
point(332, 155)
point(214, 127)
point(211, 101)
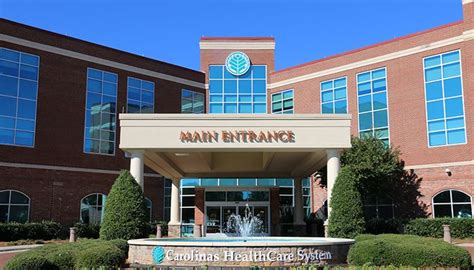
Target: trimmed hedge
point(406, 250)
point(45, 230)
point(347, 217)
point(87, 230)
point(83, 254)
point(125, 210)
point(433, 227)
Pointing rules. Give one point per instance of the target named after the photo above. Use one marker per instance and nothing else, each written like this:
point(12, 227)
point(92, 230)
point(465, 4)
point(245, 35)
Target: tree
point(125, 210)
point(347, 216)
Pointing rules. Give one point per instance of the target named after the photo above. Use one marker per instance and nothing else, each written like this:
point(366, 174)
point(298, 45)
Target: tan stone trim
point(418, 49)
point(64, 168)
point(97, 60)
point(467, 1)
point(236, 45)
point(440, 165)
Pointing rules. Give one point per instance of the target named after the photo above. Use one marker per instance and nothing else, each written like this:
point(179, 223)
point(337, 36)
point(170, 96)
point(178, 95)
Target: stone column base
point(299, 229)
point(174, 230)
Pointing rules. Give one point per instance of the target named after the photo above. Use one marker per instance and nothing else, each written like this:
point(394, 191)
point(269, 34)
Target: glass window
point(444, 100)
point(192, 102)
point(92, 208)
point(14, 206)
point(18, 97)
point(100, 119)
point(334, 96)
point(167, 199)
point(149, 206)
point(453, 204)
point(282, 102)
point(237, 94)
point(140, 95)
point(379, 208)
point(373, 104)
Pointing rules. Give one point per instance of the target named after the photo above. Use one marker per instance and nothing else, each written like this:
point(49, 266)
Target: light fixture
point(181, 154)
point(448, 172)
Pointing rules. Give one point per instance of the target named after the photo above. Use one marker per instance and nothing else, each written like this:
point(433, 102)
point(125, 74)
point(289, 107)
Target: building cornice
point(440, 165)
point(467, 1)
point(468, 35)
point(98, 60)
point(237, 45)
point(64, 168)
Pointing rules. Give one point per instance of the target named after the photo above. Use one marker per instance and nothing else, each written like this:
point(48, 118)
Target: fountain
point(245, 226)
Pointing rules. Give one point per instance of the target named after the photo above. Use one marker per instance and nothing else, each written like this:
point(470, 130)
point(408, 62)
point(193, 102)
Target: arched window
point(14, 206)
point(92, 208)
point(452, 203)
point(148, 208)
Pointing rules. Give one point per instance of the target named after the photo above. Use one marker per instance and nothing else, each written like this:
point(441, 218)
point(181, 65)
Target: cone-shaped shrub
point(347, 216)
point(125, 210)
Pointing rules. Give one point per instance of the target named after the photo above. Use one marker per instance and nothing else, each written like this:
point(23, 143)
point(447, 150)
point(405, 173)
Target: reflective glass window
point(334, 96)
point(140, 95)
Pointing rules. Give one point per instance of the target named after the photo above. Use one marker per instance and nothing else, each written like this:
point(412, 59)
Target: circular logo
point(158, 254)
point(237, 63)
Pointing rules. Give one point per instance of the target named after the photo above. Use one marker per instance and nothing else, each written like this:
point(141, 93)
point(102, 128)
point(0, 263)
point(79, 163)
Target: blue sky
point(169, 30)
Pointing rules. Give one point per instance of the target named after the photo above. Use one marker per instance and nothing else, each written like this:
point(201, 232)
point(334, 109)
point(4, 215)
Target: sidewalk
point(469, 247)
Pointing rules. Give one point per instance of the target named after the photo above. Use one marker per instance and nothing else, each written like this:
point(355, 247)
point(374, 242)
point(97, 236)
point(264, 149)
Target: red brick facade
point(56, 174)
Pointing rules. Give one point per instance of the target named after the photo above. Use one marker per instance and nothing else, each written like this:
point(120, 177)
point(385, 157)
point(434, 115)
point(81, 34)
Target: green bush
point(84, 230)
point(29, 262)
point(125, 210)
point(83, 254)
point(433, 227)
point(407, 250)
point(347, 217)
point(99, 256)
point(45, 230)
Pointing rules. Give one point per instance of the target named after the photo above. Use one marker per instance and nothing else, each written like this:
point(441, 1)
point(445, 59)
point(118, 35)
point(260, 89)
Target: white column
point(136, 167)
point(333, 166)
point(298, 217)
point(174, 214)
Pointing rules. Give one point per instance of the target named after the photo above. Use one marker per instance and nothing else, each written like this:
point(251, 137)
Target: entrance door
point(218, 213)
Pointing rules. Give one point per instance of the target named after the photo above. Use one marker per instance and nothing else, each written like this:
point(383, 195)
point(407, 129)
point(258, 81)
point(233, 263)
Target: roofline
point(96, 44)
point(203, 38)
point(369, 47)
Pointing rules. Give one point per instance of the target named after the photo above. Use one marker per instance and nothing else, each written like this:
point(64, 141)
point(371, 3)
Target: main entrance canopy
point(211, 145)
point(204, 145)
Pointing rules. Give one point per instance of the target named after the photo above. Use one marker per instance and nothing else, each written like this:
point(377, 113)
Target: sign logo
point(237, 63)
point(158, 254)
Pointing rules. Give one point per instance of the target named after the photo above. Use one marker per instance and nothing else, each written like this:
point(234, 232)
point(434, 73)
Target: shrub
point(99, 256)
point(90, 254)
point(347, 217)
point(379, 226)
point(433, 227)
point(29, 262)
point(407, 250)
point(125, 210)
point(87, 230)
point(45, 230)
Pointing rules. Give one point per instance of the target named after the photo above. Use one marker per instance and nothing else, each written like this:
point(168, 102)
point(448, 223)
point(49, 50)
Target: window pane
point(434, 90)
point(365, 103)
point(451, 70)
point(365, 121)
point(379, 101)
point(462, 210)
point(27, 89)
point(435, 110)
point(459, 196)
point(8, 85)
point(380, 119)
point(442, 211)
point(18, 213)
point(443, 197)
point(433, 74)
point(456, 136)
point(432, 61)
point(437, 138)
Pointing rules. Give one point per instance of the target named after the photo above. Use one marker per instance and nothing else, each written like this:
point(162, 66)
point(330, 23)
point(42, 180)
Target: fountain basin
point(237, 251)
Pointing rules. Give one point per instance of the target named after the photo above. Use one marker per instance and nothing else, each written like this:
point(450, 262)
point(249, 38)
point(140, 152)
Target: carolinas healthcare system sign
point(302, 255)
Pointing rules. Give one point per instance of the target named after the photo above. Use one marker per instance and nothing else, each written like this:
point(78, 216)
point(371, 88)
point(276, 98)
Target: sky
point(169, 30)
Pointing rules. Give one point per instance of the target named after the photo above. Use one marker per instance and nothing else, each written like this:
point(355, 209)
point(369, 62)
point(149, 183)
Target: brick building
point(61, 98)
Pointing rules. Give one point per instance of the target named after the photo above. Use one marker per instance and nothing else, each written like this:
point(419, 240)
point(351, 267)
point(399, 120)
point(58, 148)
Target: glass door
point(213, 219)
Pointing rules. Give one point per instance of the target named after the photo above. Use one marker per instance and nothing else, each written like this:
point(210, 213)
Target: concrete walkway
point(469, 247)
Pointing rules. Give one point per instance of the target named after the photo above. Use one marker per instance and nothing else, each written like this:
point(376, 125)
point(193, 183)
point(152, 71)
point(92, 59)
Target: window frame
point(334, 101)
point(193, 101)
point(371, 100)
point(237, 93)
point(282, 100)
point(95, 206)
point(451, 203)
point(443, 99)
point(85, 114)
point(10, 204)
point(141, 90)
point(17, 97)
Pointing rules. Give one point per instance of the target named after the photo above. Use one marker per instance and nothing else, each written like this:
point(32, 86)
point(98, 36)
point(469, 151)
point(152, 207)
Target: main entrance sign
point(237, 136)
point(237, 63)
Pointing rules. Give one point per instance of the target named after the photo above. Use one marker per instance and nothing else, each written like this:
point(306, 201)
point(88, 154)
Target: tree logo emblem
point(237, 63)
point(158, 254)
